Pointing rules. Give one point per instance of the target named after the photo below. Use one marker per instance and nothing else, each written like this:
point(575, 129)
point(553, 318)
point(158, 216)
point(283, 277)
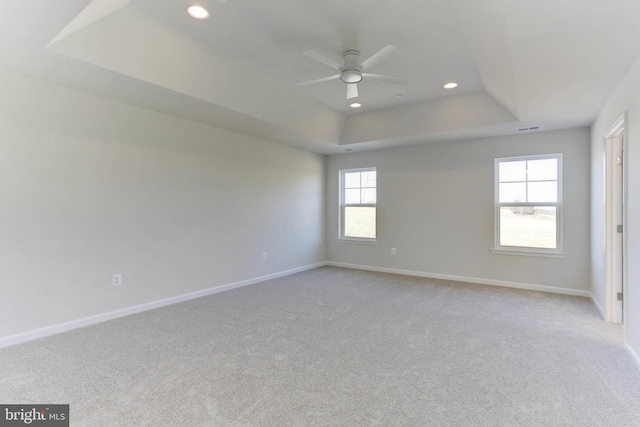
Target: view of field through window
point(521, 185)
point(360, 197)
point(360, 222)
point(535, 230)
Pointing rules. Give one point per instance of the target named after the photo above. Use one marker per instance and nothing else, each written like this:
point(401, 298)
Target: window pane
point(513, 171)
point(352, 196)
point(540, 170)
point(529, 227)
point(360, 222)
point(352, 180)
point(369, 179)
point(369, 195)
point(543, 191)
point(513, 192)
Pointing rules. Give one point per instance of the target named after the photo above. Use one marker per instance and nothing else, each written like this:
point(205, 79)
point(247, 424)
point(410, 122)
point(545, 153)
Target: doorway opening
point(614, 188)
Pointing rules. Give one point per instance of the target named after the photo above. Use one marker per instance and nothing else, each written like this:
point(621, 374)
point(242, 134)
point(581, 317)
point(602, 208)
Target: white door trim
point(615, 213)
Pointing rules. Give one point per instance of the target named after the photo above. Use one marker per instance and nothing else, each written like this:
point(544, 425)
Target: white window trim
point(520, 250)
point(342, 205)
point(358, 240)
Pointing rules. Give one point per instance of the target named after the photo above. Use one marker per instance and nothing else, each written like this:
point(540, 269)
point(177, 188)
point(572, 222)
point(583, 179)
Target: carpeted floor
point(337, 347)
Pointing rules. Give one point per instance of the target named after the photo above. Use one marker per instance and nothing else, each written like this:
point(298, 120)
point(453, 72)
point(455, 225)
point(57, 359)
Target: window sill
point(357, 241)
point(524, 252)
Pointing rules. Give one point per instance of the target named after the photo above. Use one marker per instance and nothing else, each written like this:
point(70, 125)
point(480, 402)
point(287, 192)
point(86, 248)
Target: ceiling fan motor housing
point(351, 73)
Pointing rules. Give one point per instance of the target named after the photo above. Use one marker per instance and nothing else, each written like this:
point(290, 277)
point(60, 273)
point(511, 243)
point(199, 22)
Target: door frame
point(615, 312)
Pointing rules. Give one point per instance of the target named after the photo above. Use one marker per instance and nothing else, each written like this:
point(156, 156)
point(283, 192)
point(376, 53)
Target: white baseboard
point(598, 306)
point(633, 354)
point(91, 320)
point(517, 285)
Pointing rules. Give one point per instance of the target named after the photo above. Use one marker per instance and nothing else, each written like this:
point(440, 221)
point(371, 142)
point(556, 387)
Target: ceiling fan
point(351, 72)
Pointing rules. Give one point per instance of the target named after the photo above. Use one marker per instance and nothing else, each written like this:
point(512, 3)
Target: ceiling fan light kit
point(351, 72)
point(351, 76)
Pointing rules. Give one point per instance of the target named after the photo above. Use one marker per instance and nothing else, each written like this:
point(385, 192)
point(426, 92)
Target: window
point(528, 205)
point(358, 204)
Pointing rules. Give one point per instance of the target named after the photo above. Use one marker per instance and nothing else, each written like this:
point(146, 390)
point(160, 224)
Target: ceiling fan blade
point(320, 58)
point(387, 79)
point(324, 79)
point(379, 57)
point(352, 90)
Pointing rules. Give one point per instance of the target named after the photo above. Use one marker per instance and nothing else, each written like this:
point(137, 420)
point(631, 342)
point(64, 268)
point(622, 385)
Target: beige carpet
point(339, 347)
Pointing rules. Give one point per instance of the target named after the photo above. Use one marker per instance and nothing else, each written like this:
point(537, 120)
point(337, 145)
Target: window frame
point(342, 205)
point(558, 252)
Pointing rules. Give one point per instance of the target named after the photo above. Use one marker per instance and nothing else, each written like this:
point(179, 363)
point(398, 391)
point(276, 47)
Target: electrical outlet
point(264, 255)
point(393, 251)
point(116, 279)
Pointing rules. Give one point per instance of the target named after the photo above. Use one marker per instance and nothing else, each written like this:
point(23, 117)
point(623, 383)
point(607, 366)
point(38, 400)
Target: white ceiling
point(545, 63)
point(272, 36)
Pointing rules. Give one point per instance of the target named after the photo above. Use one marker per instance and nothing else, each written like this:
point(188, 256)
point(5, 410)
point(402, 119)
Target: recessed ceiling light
point(399, 95)
point(356, 105)
point(198, 12)
point(451, 85)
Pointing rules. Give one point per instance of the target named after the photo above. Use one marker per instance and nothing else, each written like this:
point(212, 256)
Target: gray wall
point(435, 205)
point(91, 187)
point(626, 98)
